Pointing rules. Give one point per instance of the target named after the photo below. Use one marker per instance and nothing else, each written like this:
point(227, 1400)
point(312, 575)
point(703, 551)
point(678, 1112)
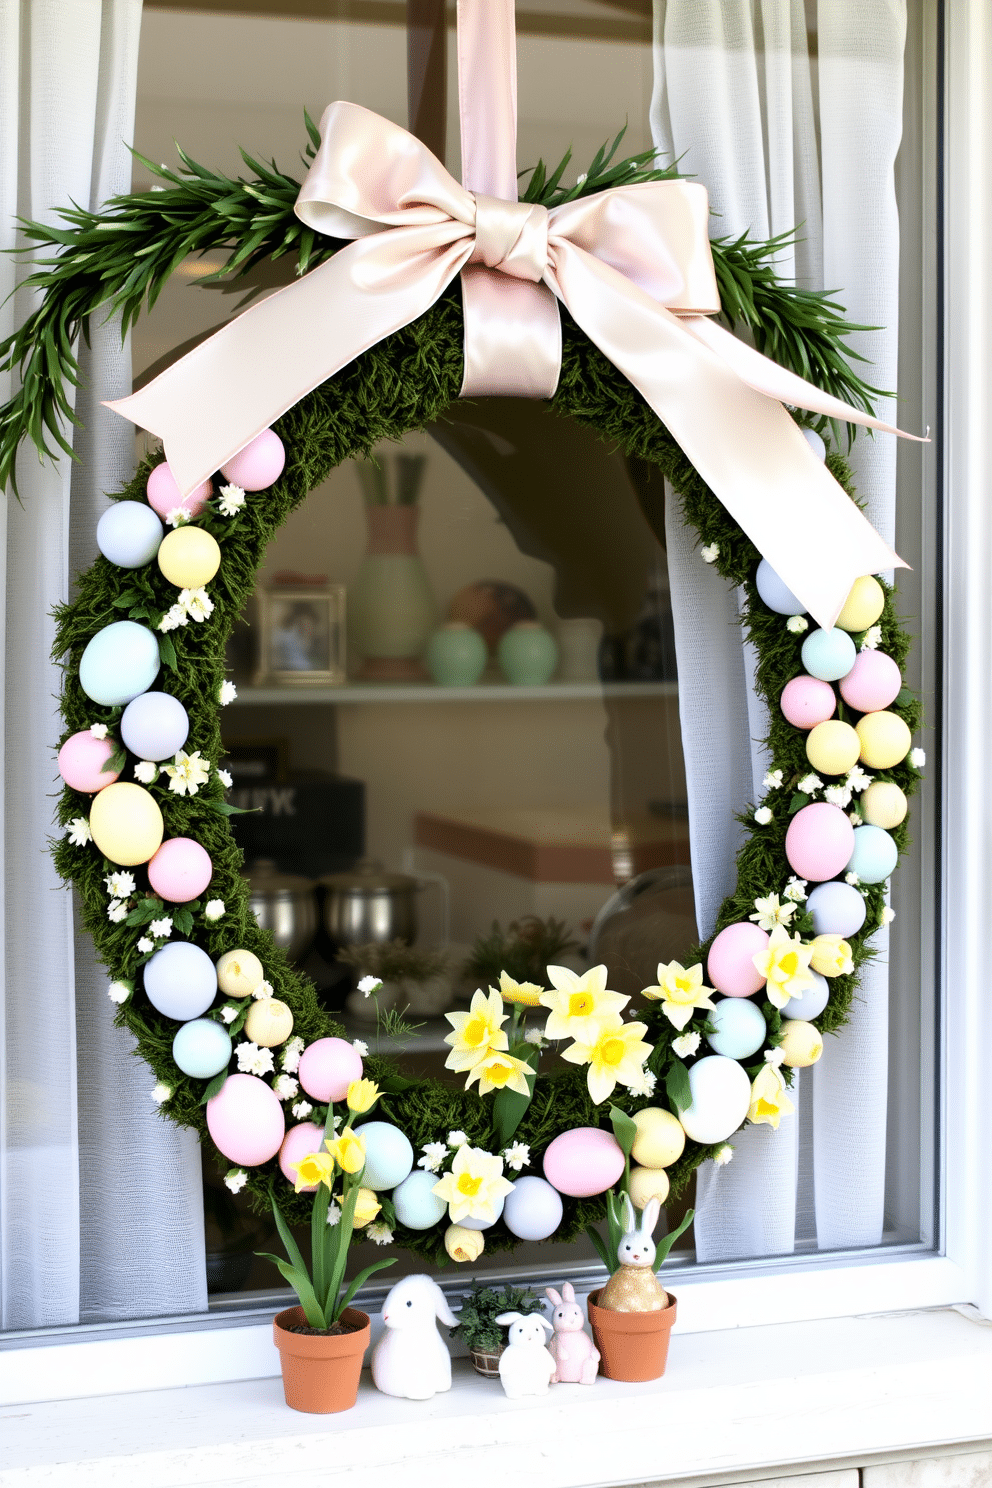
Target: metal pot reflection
point(369, 904)
point(285, 904)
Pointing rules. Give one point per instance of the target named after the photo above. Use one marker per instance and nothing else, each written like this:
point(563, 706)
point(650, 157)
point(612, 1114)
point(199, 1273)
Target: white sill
point(734, 1405)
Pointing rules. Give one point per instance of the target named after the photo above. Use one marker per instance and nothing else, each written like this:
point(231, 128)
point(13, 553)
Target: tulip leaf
point(677, 1085)
point(214, 1088)
point(664, 1246)
point(509, 1108)
point(624, 1129)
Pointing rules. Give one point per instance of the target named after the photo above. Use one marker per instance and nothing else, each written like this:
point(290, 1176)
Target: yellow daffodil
point(579, 1004)
point(475, 1185)
point(615, 1056)
point(348, 1151)
point(500, 1072)
point(528, 993)
point(362, 1096)
point(681, 991)
point(462, 1244)
point(367, 1206)
point(477, 1033)
point(316, 1167)
point(784, 963)
point(831, 956)
point(769, 1101)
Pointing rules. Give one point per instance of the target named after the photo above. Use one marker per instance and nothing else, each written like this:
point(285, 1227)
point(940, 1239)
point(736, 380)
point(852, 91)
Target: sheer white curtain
point(783, 135)
point(100, 1200)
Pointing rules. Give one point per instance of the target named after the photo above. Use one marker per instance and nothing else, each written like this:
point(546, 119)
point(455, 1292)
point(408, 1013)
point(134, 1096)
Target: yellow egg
point(269, 1023)
point(801, 1043)
point(660, 1139)
point(238, 972)
point(126, 824)
point(862, 606)
point(648, 1183)
point(883, 805)
point(885, 740)
point(832, 748)
point(189, 557)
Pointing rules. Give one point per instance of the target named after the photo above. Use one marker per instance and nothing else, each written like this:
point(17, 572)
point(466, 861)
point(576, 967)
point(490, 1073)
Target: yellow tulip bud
point(462, 1244)
point(316, 1167)
point(362, 1096)
point(831, 956)
point(367, 1206)
point(348, 1151)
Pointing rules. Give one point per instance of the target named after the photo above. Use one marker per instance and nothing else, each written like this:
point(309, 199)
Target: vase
point(320, 1371)
point(633, 1345)
point(391, 607)
point(527, 654)
point(456, 655)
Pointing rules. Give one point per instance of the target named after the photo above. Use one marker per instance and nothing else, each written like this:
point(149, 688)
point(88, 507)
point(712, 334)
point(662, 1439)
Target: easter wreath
point(118, 259)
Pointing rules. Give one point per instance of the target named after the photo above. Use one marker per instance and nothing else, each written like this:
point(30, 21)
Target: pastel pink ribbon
point(632, 265)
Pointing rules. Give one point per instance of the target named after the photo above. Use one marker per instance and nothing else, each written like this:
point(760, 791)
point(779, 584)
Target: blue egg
point(777, 596)
point(482, 1224)
point(875, 854)
point(740, 1028)
point(828, 654)
point(388, 1155)
point(416, 1205)
point(155, 725)
point(837, 909)
point(202, 1048)
point(813, 1000)
point(121, 661)
point(180, 981)
point(129, 534)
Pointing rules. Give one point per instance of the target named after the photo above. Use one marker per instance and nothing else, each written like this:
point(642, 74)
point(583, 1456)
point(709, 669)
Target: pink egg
point(246, 1121)
point(873, 682)
point(259, 464)
point(806, 701)
point(328, 1067)
point(819, 842)
point(583, 1161)
point(180, 870)
point(300, 1141)
point(81, 762)
point(730, 963)
point(163, 493)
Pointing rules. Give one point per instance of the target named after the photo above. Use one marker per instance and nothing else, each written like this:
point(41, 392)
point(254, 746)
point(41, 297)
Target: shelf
point(427, 692)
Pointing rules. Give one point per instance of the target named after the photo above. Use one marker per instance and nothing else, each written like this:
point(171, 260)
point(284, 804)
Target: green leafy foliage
point(477, 1326)
point(524, 950)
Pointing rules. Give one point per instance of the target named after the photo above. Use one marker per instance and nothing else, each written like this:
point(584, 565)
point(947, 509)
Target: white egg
point(721, 1095)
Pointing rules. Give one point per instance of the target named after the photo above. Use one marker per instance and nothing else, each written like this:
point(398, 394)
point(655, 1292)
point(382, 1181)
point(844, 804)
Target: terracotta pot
point(633, 1345)
point(486, 1362)
point(320, 1373)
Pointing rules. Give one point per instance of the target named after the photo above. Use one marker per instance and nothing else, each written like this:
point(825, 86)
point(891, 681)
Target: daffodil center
point(581, 1004)
point(613, 1051)
point(789, 963)
point(468, 1186)
point(498, 1074)
point(476, 1032)
point(767, 1108)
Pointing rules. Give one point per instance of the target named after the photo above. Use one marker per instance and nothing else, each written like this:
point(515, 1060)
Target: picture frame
point(301, 636)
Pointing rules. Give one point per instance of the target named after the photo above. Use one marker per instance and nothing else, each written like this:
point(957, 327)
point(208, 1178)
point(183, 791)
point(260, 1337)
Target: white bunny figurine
point(635, 1287)
point(525, 1366)
point(411, 1359)
point(576, 1356)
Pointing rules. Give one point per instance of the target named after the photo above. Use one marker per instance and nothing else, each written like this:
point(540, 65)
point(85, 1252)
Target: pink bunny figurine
point(576, 1356)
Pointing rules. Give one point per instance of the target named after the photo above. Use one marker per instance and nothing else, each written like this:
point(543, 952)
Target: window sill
point(734, 1405)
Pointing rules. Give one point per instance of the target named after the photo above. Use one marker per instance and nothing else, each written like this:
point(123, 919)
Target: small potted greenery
point(478, 1329)
point(322, 1342)
point(523, 951)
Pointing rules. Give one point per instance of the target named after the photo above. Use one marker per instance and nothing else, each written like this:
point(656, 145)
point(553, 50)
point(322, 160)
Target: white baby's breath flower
point(235, 1179)
point(177, 516)
point(226, 693)
point(197, 603)
point(838, 795)
point(434, 1155)
point(795, 889)
point(161, 1093)
point(119, 885)
point(810, 784)
point(361, 1047)
point(173, 619)
point(888, 914)
point(710, 552)
point(254, 1061)
point(772, 780)
point(686, 1044)
point(536, 1037)
point(302, 1110)
point(763, 815)
point(724, 1155)
point(917, 758)
point(457, 1139)
point(643, 1083)
point(232, 499)
point(78, 831)
point(229, 1013)
point(116, 911)
point(145, 946)
point(774, 1057)
point(855, 819)
point(187, 772)
point(333, 1213)
point(98, 730)
point(380, 1234)
point(119, 991)
point(858, 779)
point(797, 624)
point(769, 912)
point(581, 180)
point(214, 909)
point(852, 879)
point(263, 991)
point(517, 1156)
point(224, 776)
point(368, 985)
point(291, 1055)
point(285, 1087)
point(146, 771)
point(873, 638)
point(161, 929)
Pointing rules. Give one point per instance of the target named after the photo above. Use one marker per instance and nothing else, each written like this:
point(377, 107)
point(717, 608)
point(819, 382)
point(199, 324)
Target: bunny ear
point(543, 1320)
point(650, 1216)
point(629, 1221)
point(568, 1291)
point(441, 1308)
point(556, 1296)
point(506, 1318)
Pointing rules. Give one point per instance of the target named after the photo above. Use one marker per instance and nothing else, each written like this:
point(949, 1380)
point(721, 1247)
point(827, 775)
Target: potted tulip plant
point(322, 1342)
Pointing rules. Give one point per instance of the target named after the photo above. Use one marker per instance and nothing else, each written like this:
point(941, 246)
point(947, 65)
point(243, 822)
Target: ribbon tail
point(741, 441)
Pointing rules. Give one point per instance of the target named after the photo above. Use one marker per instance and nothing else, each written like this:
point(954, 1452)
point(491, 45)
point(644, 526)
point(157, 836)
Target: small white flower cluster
point(78, 831)
point(457, 1139)
point(644, 1083)
point(119, 991)
point(361, 1048)
point(840, 793)
point(291, 1055)
point(177, 516)
point(852, 879)
point(380, 1234)
point(775, 1057)
point(517, 1156)
point(917, 758)
point(161, 1093)
point(263, 991)
point(333, 1214)
point(772, 780)
point(710, 552)
point(302, 1110)
point(98, 730)
point(232, 499)
point(146, 771)
point(434, 1155)
point(873, 638)
point(161, 929)
point(254, 1061)
point(226, 693)
point(797, 624)
point(855, 818)
point(235, 1179)
point(117, 911)
point(369, 984)
point(145, 946)
point(214, 909)
point(536, 1037)
point(724, 1155)
point(187, 773)
point(763, 815)
point(686, 1044)
point(285, 1087)
point(229, 1013)
point(192, 604)
point(888, 914)
point(796, 889)
point(810, 784)
point(224, 776)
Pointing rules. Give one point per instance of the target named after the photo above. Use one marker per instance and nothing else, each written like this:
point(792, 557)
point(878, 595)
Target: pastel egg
point(660, 1139)
point(721, 1095)
point(730, 963)
point(180, 870)
point(388, 1153)
point(82, 761)
point(873, 682)
point(819, 842)
point(417, 1206)
point(740, 1028)
point(837, 909)
point(189, 557)
point(776, 595)
point(815, 443)
point(328, 1067)
point(180, 981)
point(163, 493)
point(126, 824)
point(259, 464)
point(802, 1044)
point(885, 740)
point(832, 748)
point(246, 1121)
point(129, 534)
point(533, 1209)
point(120, 661)
point(863, 605)
point(828, 654)
point(814, 999)
point(239, 972)
point(583, 1162)
point(806, 701)
point(648, 1183)
point(299, 1142)
point(874, 857)
point(155, 725)
point(468, 1223)
point(884, 804)
point(269, 1023)
point(202, 1048)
